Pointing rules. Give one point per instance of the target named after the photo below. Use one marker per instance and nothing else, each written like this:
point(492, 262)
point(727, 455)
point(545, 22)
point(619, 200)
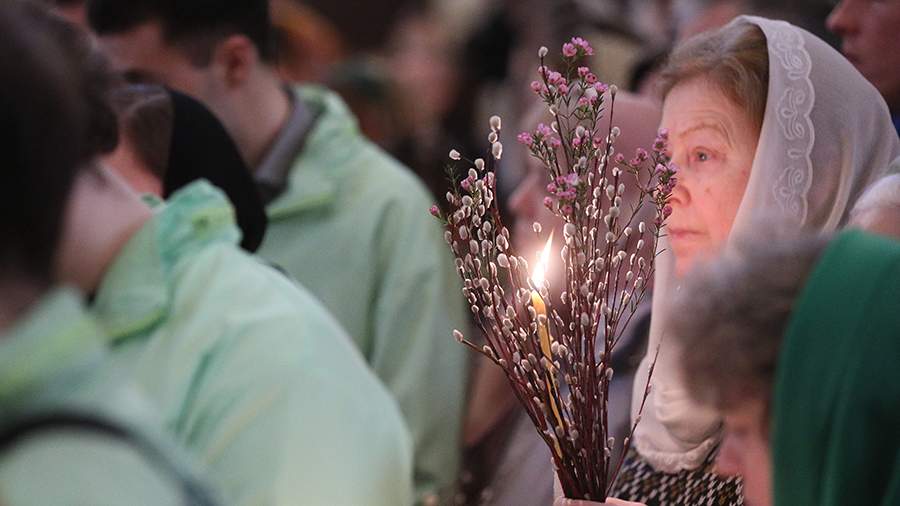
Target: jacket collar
point(136, 291)
point(314, 175)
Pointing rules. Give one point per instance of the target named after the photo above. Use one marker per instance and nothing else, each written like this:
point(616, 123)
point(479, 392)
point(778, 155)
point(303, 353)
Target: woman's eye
point(701, 156)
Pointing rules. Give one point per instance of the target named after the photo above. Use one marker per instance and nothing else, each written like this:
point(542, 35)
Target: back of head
point(195, 26)
point(731, 315)
point(145, 118)
point(92, 77)
point(43, 140)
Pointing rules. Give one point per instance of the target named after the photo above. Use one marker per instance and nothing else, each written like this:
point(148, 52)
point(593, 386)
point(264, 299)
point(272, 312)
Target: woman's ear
point(235, 58)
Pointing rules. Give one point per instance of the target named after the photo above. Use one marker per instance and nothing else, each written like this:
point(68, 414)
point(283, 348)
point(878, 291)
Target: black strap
point(34, 426)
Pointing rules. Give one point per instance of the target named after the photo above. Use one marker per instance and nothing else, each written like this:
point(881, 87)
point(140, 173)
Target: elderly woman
point(764, 118)
point(764, 328)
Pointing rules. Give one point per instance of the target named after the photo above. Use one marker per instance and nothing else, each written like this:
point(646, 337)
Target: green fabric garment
point(353, 227)
point(48, 364)
point(250, 372)
point(836, 417)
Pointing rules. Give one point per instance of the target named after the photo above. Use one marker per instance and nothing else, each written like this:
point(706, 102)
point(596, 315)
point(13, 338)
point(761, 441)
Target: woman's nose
point(840, 21)
point(681, 194)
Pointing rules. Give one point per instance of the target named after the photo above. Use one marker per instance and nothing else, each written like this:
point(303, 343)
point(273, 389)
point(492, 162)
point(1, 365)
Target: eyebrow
point(707, 126)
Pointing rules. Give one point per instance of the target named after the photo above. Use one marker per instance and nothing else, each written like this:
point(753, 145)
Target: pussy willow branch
point(608, 264)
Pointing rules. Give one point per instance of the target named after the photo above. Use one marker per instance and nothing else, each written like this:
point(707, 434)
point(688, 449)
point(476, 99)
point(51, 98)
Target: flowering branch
point(557, 358)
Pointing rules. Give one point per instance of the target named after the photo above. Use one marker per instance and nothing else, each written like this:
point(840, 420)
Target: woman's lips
point(679, 234)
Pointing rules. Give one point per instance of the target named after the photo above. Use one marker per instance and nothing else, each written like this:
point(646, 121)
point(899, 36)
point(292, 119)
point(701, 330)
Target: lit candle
point(538, 302)
point(543, 325)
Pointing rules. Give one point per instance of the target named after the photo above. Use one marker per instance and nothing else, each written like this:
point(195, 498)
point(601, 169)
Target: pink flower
point(620, 158)
point(435, 211)
point(526, 139)
point(554, 141)
point(601, 87)
point(548, 203)
point(583, 44)
point(564, 88)
point(542, 71)
point(590, 78)
point(641, 154)
point(583, 71)
point(554, 78)
point(543, 130)
point(576, 142)
point(466, 185)
point(584, 102)
point(567, 209)
point(573, 179)
point(569, 50)
point(551, 188)
point(537, 87)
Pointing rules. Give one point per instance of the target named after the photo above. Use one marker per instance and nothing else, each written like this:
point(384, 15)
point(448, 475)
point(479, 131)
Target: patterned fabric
point(638, 481)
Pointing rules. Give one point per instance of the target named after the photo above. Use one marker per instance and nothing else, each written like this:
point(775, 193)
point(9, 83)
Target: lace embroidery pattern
point(792, 111)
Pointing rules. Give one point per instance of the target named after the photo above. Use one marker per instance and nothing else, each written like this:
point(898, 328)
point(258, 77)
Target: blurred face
point(713, 143)
point(745, 452)
point(143, 55)
point(869, 29)
point(527, 206)
point(101, 216)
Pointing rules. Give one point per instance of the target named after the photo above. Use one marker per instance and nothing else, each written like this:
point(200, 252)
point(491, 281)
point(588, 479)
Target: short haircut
point(195, 26)
point(41, 140)
point(145, 118)
point(734, 59)
point(730, 317)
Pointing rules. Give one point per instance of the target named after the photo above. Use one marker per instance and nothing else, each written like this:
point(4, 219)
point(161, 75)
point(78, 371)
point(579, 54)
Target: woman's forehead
point(698, 106)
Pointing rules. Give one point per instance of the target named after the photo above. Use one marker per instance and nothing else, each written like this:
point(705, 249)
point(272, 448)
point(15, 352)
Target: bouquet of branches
point(557, 359)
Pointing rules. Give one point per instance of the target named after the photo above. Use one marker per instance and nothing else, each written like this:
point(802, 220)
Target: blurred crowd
point(311, 133)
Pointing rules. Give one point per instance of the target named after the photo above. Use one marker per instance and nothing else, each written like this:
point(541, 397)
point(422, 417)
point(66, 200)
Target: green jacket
point(249, 371)
point(836, 406)
point(353, 227)
point(49, 365)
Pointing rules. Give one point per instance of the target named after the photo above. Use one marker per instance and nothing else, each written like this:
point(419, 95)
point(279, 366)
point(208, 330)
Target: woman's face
point(713, 142)
point(101, 216)
point(745, 451)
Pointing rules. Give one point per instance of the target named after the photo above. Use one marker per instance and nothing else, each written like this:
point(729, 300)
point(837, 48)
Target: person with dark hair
point(795, 343)
point(345, 219)
point(68, 434)
point(170, 140)
point(241, 363)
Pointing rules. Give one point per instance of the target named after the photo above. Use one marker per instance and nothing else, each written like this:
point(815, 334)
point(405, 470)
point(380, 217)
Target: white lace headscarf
point(826, 135)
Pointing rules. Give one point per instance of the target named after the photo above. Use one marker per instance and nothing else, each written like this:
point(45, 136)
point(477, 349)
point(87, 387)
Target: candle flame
point(540, 268)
